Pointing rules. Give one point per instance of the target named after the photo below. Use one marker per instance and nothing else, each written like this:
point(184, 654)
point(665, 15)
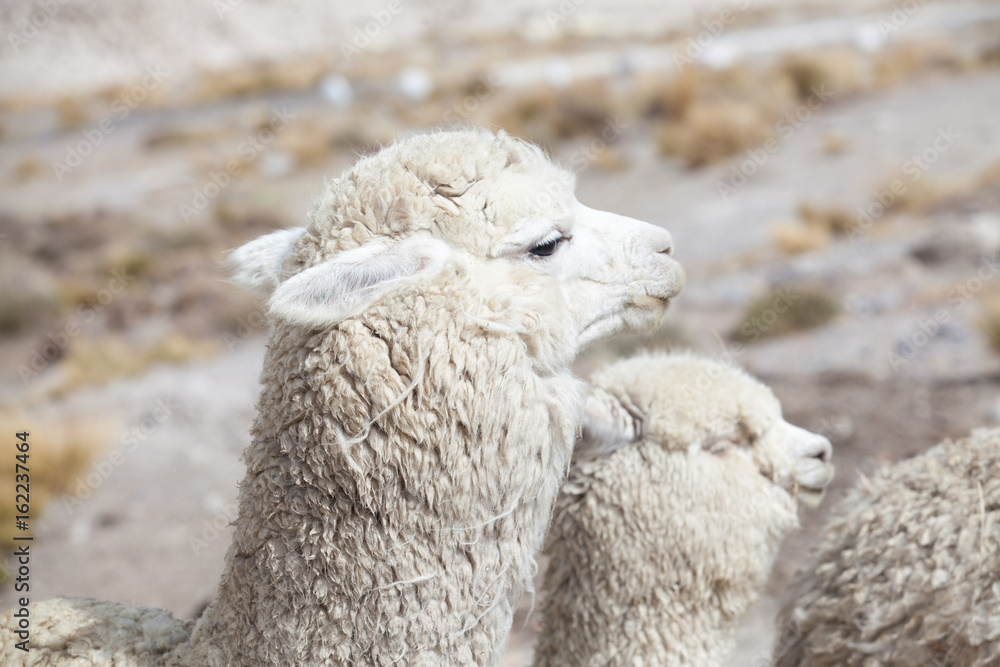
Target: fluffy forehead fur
point(682, 400)
point(407, 187)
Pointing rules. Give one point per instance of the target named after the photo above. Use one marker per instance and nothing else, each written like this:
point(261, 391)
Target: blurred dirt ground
point(839, 158)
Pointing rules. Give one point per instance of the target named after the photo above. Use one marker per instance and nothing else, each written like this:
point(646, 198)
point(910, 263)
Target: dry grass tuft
point(989, 319)
point(97, 361)
point(667, 97)
point(60, 449)
point(929, 192)
point(786, 310)
point(308, 142)
point(527, 113)
point(544, 114)
point(28, 166)
point(713, 130)
point(833, 143)
point(610, 159)
point(17, 312)
point(833, 218)
point(794, 238)
point(133, 261)
point(71, 113)
point(903, 62)
point(817, 226)
point(259, 77)
point(989, 177)
point(838, 71)
point(668, 337)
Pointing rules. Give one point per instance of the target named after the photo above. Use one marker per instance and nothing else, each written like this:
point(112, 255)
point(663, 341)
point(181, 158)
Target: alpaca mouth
point(810, 496)
point(660, 292)
point(672, 287)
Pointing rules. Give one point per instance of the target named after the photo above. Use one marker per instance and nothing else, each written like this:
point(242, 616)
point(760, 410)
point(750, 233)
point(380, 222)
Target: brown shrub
point(59, 450)
point(786, 310)
point(793, 238)
point(712, 131)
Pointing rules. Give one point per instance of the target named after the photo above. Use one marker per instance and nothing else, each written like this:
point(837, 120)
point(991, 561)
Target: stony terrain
point(150, 381)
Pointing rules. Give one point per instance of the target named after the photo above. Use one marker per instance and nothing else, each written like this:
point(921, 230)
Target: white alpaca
point(680, 493)
point(416, 417)
point(908, 571)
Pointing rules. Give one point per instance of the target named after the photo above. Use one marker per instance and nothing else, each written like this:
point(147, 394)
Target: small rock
point(961, 240)
point(277, 163)
point(337, 90)
point(415, 83)
point(558, 72)
point(869, 37)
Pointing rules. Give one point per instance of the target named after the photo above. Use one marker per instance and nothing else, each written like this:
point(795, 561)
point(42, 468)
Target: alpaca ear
point(257, 264)
point(345, 285)
point(607, 424)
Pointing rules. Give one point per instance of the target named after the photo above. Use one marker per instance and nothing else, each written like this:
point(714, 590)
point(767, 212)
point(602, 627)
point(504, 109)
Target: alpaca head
point(485, 212)
point(715, 414)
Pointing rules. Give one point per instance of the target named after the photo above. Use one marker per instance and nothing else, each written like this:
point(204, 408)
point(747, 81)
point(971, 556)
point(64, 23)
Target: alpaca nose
point(809, 445)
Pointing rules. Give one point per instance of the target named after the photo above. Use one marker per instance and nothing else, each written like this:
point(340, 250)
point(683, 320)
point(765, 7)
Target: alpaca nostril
point(661, 242)
point(825, 451)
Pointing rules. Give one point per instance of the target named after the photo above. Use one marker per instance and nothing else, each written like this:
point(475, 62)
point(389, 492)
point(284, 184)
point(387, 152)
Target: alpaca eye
point(547, 248)
point(718, 447)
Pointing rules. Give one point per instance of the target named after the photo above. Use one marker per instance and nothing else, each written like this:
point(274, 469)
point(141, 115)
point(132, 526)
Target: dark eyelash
point(548, 248)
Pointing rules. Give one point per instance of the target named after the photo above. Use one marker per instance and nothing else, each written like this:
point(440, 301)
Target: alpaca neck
point(643, 628)
point(403, 541)
point(652, 565)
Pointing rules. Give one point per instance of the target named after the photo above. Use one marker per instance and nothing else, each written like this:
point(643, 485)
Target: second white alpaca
point(685, 482)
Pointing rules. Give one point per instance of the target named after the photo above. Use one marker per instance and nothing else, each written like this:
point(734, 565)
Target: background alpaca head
point(714, 472)
point(726, 422)
point(494, 212)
